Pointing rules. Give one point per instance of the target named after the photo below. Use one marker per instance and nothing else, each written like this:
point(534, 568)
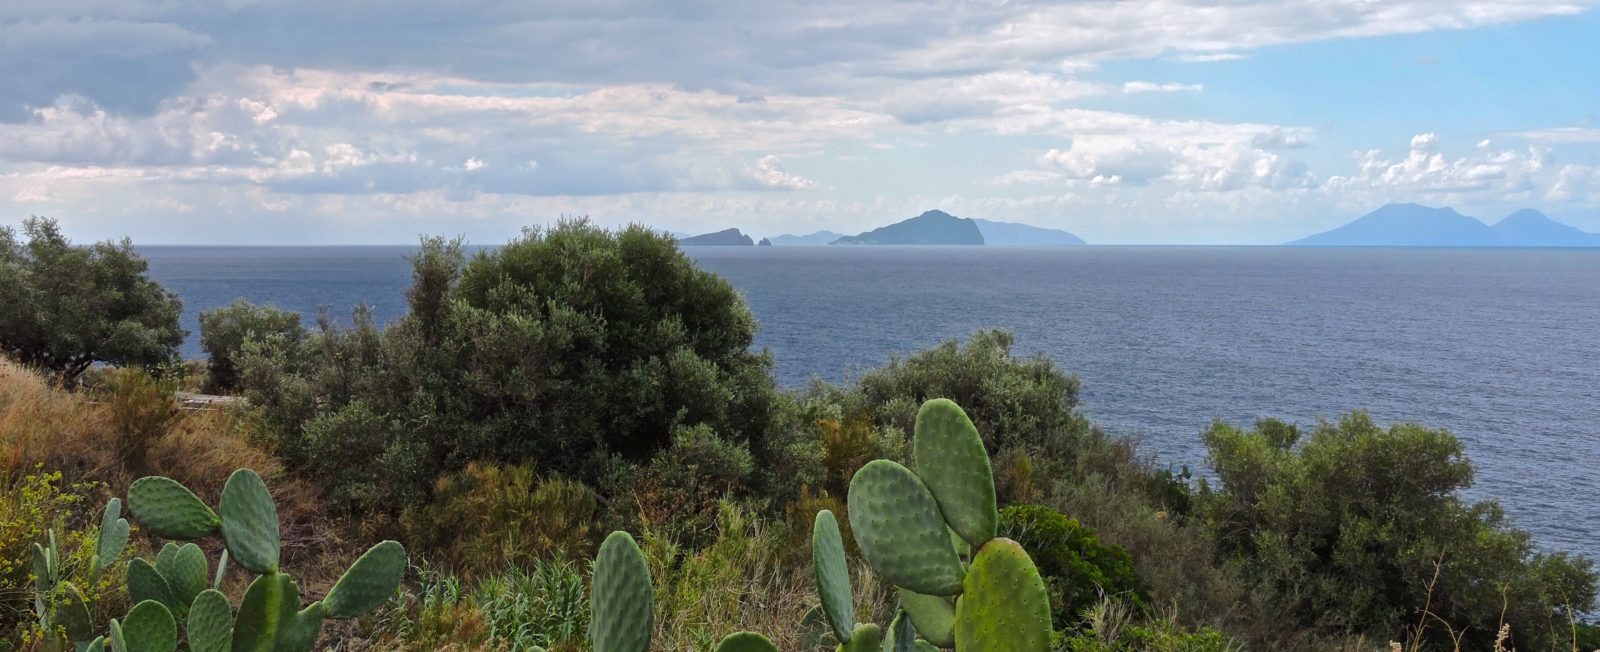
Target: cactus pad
point(833, 575)
point(146, 583)
point(250, 522)
point(210, 624)
point(746, 642)
point(270, 618)
point(934, 617)
point(113, 533)
point(952, 461)
point(170, 510)
point(185, 570)
point(72, 613)
point(901, 532)
point(149, 627)
point(867, 637)
point(901, 637)
point(620, 599)
point(1004, 607)
point(368, 582)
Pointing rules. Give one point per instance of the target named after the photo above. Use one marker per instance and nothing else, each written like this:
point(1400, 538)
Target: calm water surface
point(1500, 346)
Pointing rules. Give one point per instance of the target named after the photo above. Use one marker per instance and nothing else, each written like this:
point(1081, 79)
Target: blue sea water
point(1501, 346)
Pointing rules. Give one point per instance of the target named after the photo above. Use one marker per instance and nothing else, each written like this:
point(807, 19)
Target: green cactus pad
point(149, 627)
point(1004, 607)
point(867, 637)
point(833, 574)
point(72, 613)
point(185, 571)
point(620, 598)
point(951, 460)
point(746, 642)
point(934, 616)
point(222, 570)
point(146, 583)
point(43, 570)
point(371, 580)
point(270, 618)
point(250, 522)
point(900, 530)
point(97, 645)
point(901, 637)
point(169, 510)
point(114, 532)
point(210, 624)
point(924, 646)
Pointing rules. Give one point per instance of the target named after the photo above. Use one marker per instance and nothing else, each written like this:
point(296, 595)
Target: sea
point(1500, 346)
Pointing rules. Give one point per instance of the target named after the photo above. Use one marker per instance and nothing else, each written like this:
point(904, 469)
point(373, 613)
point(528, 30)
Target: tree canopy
point(65, 307)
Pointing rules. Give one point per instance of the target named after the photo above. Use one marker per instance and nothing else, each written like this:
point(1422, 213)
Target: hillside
point(815, 238)
point(1012, 233)
point(929, 228)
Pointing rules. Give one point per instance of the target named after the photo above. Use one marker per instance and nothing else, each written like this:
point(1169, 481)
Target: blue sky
point(1166, 121)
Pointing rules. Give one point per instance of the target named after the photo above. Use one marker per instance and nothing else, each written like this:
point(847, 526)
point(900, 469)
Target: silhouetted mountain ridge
point(1415, 225)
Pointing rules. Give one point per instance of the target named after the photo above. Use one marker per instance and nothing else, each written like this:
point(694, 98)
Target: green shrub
point(571, 348)
point(1078, 569)
point(514, 610)
point(30, 505)
point(223, 332)
point(1357, 527)
point(141, 408)
point(85, 304)
point(485, 518)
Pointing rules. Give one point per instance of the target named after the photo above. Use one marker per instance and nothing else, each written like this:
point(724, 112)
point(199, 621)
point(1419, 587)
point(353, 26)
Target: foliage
point(514, 610)
point(1357, 527)
point(141, 408)
point(68, 307)
point(485, 518)
point(34, 508)
point(1113, 626)
point(223, 332)
point(1078, 569)
point(569, 348)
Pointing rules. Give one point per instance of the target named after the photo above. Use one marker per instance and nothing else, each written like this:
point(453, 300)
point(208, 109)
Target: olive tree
point(65, 307)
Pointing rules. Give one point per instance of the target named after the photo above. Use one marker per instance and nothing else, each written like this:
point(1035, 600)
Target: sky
point(1137, 122)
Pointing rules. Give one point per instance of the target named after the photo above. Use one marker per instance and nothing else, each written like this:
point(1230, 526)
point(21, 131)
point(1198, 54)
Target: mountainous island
point(816, 238)
point(1012, 233)
point(929, 228)
point(723, 238)
point(1414, 225)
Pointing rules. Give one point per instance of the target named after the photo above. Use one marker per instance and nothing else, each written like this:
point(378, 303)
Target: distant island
point(723, 238)
point(816, 238)
point(1012, 233)
point(1414, 225)
point(929, 228)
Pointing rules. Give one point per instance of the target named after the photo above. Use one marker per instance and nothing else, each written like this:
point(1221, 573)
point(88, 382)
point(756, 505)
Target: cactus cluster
point(179, 586)
point(66, 616)
point(930, 532)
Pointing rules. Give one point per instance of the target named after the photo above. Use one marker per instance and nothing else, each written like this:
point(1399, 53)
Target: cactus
point(867, 637)
point(621, 600)
point(746, 642)
point(933, 616)
point(60, 605)
point(951, 460)
point(901, 531)
point(148, 627)
point(833, 576)
point(1003, 604)
point(270, 617)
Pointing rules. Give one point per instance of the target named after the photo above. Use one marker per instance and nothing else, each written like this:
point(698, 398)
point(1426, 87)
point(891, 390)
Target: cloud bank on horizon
point(193, 121)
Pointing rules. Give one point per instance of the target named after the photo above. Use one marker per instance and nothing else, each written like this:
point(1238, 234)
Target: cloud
point(769, 173)
point(1206, 57)
point(1152, 87)
point(1558, 135)
point(1427, 172)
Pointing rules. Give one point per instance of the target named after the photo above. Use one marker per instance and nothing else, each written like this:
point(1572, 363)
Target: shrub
point(485, 518)
point(1078, 569)
point(1357, 527)
point(223, 332)
point(31, 504)
point(571, 348)
point(141, 409)
point(513, 610)
point(84, 304)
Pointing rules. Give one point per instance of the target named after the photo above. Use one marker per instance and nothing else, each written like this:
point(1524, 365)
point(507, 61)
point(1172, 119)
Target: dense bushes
point(574, 348)
point(1357, 528)
point(1078, 569)
point(64, 308)
point(486, 517)
point(223, 332)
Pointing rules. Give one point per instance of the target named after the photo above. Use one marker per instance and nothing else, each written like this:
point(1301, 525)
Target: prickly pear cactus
point(620, 599)
point(270, 616)
point(148, 627)
point(746, 642)
point(867, 637)
point(833, 574)
point(952, 462)
point(901, 531)
point(1003, 606)
point(933, 616)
